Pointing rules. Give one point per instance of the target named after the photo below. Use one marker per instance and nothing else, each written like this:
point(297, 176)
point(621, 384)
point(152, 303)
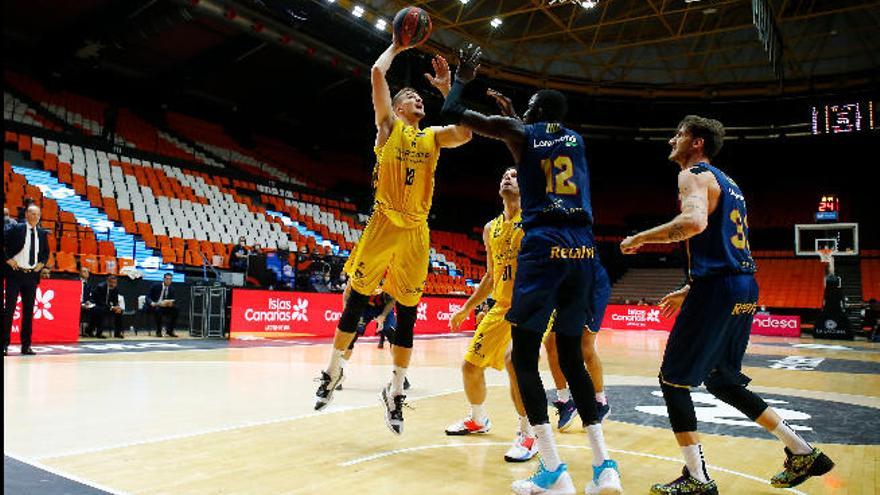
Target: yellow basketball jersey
point(504, 240)
point(404, 174)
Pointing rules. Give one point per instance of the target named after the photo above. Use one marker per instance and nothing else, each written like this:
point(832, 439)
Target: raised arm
point(483, 290)
point(382, 93)
point(450, 136)
point(693, 191)
point(506, 129)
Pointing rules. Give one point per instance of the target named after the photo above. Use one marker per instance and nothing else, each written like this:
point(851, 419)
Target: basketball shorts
point(400, 255)
point(489, 344)
point(373, 312)
point(555, 271)
point(710, 335)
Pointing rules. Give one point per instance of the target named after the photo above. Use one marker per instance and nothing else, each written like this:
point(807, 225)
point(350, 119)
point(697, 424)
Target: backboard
point(843, 238)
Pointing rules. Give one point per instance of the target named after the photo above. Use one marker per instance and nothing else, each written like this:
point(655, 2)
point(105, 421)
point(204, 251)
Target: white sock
point(601, 399)
point(792, 440)
point(563, 395)
point(693, 457)
point(397, 379)
point(525, 427)
point(547, 446)
point(335, 366)
point(597, 444)
point(342, 362)
point(478, 414)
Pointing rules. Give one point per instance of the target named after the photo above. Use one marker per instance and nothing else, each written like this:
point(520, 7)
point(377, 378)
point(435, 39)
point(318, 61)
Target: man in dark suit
point(162, 304)
point(25, 251)
point(85, 300)
point(105, 298)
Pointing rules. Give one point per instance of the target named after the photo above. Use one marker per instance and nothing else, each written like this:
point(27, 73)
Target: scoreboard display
point(828, 209)
point(844, 118)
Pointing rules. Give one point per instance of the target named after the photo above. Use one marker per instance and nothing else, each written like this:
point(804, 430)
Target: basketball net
point(826, 255)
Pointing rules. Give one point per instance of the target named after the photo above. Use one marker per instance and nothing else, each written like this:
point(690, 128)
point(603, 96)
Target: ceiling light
point(380, 24)
point(358, 11)
point(464, 2)
point(495, 22)
point(330, 1)
point(589, 4)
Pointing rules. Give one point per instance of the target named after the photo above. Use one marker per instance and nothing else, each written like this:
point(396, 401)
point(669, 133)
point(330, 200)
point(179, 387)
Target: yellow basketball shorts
point(400, 255)
point(489, 344)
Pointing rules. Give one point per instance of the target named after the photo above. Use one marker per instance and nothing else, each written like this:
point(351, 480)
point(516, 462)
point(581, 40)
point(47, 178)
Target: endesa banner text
point(261, 313)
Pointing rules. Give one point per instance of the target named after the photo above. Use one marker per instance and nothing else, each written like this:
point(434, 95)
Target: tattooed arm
point(693, 191)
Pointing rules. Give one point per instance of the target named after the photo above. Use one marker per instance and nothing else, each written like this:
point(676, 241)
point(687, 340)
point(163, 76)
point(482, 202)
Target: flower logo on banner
point(653, 315)
point(423, 311)
point(43, 304)
point(301, 310)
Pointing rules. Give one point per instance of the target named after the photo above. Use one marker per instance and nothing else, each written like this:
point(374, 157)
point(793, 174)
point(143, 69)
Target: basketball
point(412, 26)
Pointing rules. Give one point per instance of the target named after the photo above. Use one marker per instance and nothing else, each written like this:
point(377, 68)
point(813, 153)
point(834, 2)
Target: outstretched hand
point(468, 63)
point(442, 78)
point(504, 103)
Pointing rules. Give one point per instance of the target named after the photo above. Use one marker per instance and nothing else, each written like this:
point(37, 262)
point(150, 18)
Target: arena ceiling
point(651, 49)
point(661, 47)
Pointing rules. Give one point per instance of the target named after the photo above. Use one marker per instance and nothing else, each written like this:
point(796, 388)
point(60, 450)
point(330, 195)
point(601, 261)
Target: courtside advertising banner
point(261, 313)
point(627, 317)
point(56, 313)
point(778, 325)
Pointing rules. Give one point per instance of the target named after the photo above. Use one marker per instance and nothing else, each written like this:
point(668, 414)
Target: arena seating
point(214, 139)
point(16, 110)
point(145, 207)
point(649, 284)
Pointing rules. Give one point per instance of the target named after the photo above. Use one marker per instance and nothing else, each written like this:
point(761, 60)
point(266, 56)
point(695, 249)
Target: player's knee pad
point(680, 407)
point(741, 398)
point(353, 311)
point(406, 323)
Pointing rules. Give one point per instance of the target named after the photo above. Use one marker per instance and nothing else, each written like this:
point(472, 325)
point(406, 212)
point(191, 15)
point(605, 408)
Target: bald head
point(32, 215)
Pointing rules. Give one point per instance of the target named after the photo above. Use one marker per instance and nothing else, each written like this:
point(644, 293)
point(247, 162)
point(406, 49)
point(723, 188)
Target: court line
point(388, 453)
point(63, 474)
point(246, 424)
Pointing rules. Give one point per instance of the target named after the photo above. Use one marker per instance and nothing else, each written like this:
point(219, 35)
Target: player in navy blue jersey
point(710, 335)
point(555, 268)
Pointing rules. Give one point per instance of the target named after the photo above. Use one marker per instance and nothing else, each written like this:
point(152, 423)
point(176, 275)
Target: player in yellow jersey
point(490, 345)
point(396, 238)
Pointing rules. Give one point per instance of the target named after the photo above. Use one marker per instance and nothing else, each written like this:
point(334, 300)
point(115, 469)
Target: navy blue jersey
point(554, 180)
point(723, 248)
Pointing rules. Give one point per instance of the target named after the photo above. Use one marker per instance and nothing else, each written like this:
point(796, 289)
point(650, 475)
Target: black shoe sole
point(511, 459)
point(820, 466)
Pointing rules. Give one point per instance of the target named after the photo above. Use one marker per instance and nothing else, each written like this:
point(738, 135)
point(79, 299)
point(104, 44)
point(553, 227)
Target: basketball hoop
point(826, 255)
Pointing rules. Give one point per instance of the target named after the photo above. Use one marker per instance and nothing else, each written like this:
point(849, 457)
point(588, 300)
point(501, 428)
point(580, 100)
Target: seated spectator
point(6, 218)
point(162, 304)
point(85, 305)
point(238, 258)
point(303, 263)
point(340, 283)
point(322, 283)
point(105, 302)
point(45, 273)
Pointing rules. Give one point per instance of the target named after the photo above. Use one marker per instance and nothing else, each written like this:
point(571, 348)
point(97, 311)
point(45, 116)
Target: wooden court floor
point(240, 420)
